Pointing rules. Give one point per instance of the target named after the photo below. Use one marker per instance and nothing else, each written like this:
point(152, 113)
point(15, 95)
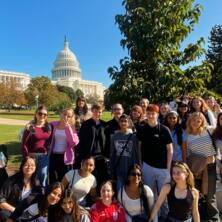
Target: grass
point(9, 137)
point(28, 115)
point(9, 133)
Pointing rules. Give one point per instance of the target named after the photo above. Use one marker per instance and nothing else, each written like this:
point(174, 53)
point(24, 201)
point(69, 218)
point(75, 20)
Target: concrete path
point(4, 121)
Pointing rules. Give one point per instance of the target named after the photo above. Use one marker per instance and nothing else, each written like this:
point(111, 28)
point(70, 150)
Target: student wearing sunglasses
point(36, 141)
point(136, 198)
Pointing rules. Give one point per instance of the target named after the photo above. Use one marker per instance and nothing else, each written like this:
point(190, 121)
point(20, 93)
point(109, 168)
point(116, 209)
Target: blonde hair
point(195, 115)
point(72, 119)
point(204, 107)
point(184, 167)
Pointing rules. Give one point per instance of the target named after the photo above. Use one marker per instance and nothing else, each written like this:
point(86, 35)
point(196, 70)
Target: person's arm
point(169, 155)
point(212, 119)
point(24, 204)
point(163, 194)
point(25, 139)
point(72, 137)
point(94, 216)
point(7, 206)
point(195, 211)
point(65, 182)
point(121, 216)
point(93, 194)
point(5, 193)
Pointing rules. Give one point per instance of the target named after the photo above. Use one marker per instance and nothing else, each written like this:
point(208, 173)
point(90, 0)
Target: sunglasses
point(135, 174)
point(42, 114)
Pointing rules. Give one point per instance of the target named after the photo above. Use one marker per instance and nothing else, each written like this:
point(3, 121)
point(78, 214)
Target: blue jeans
point(42, 168)
point(155, 178)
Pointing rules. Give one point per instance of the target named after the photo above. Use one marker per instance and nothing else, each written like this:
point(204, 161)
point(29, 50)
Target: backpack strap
point(73, 176)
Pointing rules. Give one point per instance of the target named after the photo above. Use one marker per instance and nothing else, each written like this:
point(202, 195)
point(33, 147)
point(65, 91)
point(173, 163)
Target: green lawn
point(28, 115)
point(9, 137)
point(9, 134)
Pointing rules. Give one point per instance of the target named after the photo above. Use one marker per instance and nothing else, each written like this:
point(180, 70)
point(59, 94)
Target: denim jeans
point(155, 178)
point(42, 168)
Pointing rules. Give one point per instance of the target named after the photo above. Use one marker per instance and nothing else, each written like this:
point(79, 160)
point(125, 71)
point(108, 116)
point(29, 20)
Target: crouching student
point(106, 209)
point(35, 207)
point(181, 195)
point(70, 210)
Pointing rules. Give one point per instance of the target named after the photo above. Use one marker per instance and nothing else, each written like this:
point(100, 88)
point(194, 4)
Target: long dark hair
point(142, 192)
point(34, 181)
point(77, 211)
point(47, 126)
point(44, 204)
point(84, 109)
point(178, 128)
point(217, 134)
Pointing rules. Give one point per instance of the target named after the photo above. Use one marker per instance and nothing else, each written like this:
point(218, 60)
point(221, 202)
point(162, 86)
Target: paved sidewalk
point(4, 121)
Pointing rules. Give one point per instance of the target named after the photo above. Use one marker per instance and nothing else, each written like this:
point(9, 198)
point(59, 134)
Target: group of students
point(146, 153)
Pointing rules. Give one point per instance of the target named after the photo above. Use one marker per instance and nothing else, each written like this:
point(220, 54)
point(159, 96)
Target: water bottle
point(2, 160)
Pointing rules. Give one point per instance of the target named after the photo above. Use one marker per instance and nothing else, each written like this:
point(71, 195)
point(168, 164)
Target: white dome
point(66, 64)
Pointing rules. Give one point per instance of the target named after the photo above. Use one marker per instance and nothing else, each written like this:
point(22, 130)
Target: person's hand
point(9, 220)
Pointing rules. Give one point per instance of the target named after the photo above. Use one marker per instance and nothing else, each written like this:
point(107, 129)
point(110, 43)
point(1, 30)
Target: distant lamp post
point(37, 101)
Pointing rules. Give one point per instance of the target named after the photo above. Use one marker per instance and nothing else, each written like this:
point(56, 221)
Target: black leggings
point(57, 168)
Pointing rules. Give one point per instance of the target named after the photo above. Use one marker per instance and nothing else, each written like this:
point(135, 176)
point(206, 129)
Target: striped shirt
point(200, 144)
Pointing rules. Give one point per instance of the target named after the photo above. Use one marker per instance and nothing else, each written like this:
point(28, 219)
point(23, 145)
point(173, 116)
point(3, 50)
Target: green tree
point(47, 92)
point(62, 102)
point(11, 94)
point(69, 91)
point(157, 67)
point(79, 93)
point(214, 56)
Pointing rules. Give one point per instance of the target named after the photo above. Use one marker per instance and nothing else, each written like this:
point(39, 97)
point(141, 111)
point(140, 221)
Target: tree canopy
point(47, 94)
point(11, 94)
point(214, 56)
point(157, 67)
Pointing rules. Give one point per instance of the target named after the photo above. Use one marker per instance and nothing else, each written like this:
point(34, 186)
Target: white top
point(60, 141)
point(133, 206)
point(25, 193)
point(81, 185)
point(201, 144)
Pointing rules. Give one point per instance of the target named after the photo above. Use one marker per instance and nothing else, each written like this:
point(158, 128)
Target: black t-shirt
point(153, 144)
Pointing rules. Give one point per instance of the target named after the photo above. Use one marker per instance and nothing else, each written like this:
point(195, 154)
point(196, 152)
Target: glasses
point(42, 114)
point(135, 174)
point(29, 165)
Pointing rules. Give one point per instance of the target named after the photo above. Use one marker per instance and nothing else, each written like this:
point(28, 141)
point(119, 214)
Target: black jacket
point(111, 127)
point(12, 189)
point(87, 138)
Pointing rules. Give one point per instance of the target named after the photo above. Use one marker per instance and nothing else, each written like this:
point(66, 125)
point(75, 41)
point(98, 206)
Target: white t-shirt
point(60, 141)
point(133, 206)
point(81, 185)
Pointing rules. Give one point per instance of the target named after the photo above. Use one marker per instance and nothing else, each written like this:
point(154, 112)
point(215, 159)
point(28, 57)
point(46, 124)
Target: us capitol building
point(66, 72)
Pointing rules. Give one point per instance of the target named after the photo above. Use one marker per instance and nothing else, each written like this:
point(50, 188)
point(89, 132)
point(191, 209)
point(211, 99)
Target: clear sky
point(32, 33)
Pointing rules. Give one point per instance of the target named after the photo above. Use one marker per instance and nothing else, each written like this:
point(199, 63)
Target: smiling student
point(181, 195)
point(106, 209)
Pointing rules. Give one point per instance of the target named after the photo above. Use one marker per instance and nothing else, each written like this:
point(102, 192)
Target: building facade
point(67, 72)
point(22, 79)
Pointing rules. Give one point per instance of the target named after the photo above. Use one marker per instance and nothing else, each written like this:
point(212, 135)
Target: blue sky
point(32, 33)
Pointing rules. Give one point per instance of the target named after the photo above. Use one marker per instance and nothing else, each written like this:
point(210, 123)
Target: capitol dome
point(66, 64)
